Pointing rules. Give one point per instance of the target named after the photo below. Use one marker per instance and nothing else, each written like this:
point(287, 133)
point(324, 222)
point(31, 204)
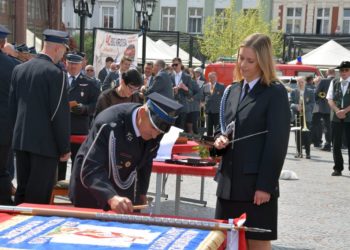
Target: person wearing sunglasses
point(127, 91)
point(184, 88)
point(338, 97)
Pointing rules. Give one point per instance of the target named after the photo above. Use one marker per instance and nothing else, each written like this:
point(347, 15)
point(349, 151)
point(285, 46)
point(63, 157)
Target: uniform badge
point(81, 77)
point(82, 94)
point(127, 164)
point(129, 136)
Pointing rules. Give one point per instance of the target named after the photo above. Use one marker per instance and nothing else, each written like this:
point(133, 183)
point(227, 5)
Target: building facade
point(29, 16)
point(316, 17)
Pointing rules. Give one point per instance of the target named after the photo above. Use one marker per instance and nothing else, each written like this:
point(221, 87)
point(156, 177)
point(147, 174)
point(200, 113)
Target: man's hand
point(79, 109)
point(121, 205)
point(261, 197)
point(65, 157)
point(221, 142)
point(183, 86)
point(341, 114)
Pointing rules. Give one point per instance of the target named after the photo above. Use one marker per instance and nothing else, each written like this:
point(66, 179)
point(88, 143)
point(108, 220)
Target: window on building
point(293, 22)
point(219, 11)
point(3, 6)
point(168, 18)
point(346, 21)
point(107, 17)
point(195, 18)
point(322, 21)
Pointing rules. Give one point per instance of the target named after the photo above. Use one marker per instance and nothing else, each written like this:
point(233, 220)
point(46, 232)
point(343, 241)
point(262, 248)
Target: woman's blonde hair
point(262, 46)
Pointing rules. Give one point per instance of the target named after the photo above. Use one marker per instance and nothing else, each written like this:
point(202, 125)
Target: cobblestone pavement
point(313, 211)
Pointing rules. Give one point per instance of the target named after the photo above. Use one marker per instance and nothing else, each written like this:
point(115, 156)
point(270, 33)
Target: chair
point(61, 188)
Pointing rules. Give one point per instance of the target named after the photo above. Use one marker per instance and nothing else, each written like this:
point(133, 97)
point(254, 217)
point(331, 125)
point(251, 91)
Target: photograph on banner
point(116, 46)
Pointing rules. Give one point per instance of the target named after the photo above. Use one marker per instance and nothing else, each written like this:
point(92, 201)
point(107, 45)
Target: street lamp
point(82, 9)
point(144, 10)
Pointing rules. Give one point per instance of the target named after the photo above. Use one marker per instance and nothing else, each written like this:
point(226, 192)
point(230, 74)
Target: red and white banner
point(236, 239)
point(116, 46)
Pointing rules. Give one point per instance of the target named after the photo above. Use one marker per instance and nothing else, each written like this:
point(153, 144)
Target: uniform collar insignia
point(129, 136)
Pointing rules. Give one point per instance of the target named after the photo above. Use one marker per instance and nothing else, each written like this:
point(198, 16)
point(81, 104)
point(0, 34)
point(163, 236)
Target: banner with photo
point(116, 46)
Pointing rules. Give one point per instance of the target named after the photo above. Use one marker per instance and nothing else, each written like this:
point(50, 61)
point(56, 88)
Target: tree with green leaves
point(224, 32)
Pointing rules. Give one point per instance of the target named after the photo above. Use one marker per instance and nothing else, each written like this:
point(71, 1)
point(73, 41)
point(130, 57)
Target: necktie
point(211, 88)
point(72, 81)
point(246, 90)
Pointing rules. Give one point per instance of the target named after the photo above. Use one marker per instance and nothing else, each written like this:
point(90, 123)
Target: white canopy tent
point(161, 50)
point(330, 54)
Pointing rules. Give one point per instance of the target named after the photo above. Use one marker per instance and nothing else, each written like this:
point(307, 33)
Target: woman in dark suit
point(249, 171)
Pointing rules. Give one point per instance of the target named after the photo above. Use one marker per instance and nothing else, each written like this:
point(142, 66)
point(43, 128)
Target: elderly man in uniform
point(113, 166)
point(338, 97)
point(82, 96)
point(40, 115)
point(6, 68)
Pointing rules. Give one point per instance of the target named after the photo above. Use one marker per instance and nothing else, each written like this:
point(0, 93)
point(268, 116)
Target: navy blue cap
point(32, 50)
point(74, 58)
point(56, 36)
point(163, 111)
point(22, 48)
point(3, 31)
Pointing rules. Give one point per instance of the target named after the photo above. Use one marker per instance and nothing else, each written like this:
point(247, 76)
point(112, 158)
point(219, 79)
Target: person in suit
point(104, 72)
point(127, 91)
point(321, 113)
point(147, 76)
point(161, 83)
point(7, 66)
point(40, 119)
point(303, 93)
point(114, 78)
point(256, 105)
point(113, 166)
point(213, 92)
point(338, 97)
point(82, 96)
point(183, 90)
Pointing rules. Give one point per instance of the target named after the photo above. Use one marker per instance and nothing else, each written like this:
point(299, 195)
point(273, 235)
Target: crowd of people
point(47, 98)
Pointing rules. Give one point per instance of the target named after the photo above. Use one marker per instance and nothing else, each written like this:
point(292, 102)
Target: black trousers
point(5, 178)
point(321, 122)
point(192, 122)
point(62, 166)
point(181, 120)
point(212, 122)
point(305, 137)
point(36, 176)
point(337, 131)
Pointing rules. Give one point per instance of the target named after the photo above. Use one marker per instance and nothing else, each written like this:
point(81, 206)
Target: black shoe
point(326, 148)
point(336, 173)
point(308, 157)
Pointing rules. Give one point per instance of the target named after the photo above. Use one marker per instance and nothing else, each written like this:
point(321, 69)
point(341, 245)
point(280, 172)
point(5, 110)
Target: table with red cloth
point(188, 147)
point(54, 229)
point(161, 168)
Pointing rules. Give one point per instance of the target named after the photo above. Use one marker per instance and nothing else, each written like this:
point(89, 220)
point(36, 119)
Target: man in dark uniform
point(6, 68)
point(113, 166)
point(338, 97)
point(321, 112)
point(82, 96)
point(39, 114)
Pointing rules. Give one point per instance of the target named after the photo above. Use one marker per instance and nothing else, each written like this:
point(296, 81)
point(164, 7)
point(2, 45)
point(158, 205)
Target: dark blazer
point(321, 104)
point(151, 80)
point(111, 77)
point(182, 96)
point(254, 163)
point(94, 185)
point(39, 108)
point(102, 74)
point(6, 68)
point(212, 101)
point(162, 85)
point(309, 97)
point(84, 91)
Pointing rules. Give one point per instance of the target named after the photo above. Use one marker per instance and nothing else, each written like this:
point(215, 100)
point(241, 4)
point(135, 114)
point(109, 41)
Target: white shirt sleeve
point(330, 91)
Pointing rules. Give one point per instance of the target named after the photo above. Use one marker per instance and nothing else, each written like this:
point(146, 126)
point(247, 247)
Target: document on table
point(167, 143)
